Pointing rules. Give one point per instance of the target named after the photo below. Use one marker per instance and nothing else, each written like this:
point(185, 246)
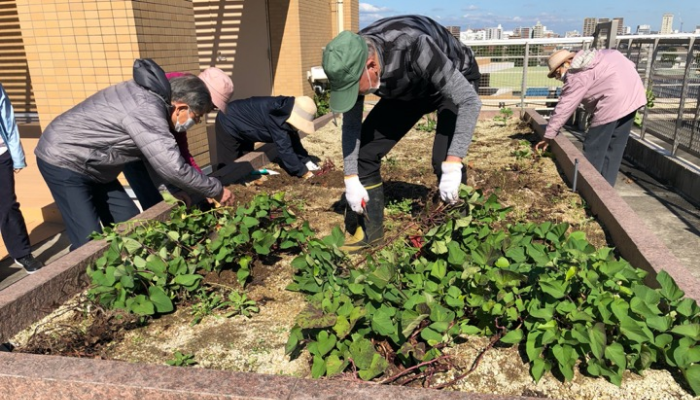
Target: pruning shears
point(363, 203)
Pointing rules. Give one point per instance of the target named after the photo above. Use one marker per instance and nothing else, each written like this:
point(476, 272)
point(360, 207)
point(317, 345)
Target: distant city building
point(620, 23)
point(572, 34)
point(589, 26)
point(667, 24)
point(538, 30)
point(507, 34)
point(643, 29)
point(454, 30)
point(471, 35)
point(494, 33)
point(626, 30)
point(522, 33)
point(697, 29)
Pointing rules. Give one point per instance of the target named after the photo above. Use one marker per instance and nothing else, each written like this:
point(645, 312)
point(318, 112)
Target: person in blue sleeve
point(12, 226)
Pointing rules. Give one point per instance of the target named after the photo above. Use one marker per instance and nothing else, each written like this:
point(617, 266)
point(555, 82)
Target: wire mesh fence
point(514, 74)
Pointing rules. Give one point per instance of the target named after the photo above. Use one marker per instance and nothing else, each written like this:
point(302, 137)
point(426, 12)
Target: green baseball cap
point(344, 59)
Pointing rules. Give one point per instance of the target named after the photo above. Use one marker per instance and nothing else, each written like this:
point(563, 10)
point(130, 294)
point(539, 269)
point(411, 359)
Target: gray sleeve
point(352, 129)
point(152, 136)
point(463, 95)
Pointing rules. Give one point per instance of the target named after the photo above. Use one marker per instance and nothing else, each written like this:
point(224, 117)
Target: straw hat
point(303, 113)
point(558, 58)
point(220, 86)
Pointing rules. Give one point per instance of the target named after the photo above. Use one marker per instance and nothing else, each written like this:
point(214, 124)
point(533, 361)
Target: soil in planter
point(498, 162)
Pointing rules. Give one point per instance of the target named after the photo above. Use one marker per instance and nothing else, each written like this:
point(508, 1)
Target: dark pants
point(12, 226)
point(84, 203)
point(604, 146)
point(141, 183)
point(389, 121)
point(230, 147)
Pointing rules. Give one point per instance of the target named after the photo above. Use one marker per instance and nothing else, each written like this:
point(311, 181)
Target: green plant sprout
point(181, 360)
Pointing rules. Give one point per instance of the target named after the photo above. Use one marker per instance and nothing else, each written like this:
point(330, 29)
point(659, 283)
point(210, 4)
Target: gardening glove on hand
point(449, 183)
point(311, 166)
point(355, 193)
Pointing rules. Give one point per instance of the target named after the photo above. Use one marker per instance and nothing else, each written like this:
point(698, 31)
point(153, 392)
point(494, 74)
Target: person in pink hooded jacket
point(609, 87)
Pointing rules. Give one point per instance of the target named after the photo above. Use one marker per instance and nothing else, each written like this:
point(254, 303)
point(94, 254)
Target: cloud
point(517, 19)
point(369, 8)
point(471, 8)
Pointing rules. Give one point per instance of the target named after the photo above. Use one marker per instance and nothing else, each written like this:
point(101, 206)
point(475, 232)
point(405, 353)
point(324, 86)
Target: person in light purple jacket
point(609, 87)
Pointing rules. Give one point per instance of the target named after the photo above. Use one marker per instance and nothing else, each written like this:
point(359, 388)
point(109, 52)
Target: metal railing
point(514, 74)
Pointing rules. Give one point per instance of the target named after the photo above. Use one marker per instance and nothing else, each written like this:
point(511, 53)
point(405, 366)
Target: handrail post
point(684, 92)
point(523, 84)
point(651, 56)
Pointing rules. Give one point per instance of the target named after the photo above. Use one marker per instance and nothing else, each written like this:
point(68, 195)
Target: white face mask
point(186, 126)
point(372, 89)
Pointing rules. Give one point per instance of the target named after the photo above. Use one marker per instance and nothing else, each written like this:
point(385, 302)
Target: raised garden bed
point(501, 164)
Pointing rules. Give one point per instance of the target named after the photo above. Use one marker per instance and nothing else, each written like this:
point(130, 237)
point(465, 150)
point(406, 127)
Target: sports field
point(512, 78)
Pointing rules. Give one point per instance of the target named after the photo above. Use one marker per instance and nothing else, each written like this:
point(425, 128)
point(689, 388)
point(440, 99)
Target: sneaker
point(29, 263)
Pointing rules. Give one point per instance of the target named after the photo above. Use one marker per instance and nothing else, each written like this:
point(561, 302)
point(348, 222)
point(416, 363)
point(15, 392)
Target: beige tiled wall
point(75, 48)
point(14, 72)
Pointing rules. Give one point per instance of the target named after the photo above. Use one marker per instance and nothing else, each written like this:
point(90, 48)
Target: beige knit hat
point(303, 113)
point(558, 58)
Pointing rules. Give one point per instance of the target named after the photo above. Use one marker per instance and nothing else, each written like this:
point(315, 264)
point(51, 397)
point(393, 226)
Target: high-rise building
point(494, 33)
point(666, 24)
point(572, 34)
point(697, 29)
point(454, 30)
point(522, 33)
point(620, 27)
point(643, 29)
point(626, 30)
point(538, 30)
point(589, 26)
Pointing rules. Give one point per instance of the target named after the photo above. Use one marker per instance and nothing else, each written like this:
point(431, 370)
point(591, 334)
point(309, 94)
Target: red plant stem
point(413, 368)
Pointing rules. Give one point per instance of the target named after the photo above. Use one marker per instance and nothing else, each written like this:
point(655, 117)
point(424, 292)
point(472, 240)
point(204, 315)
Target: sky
point(558, 16)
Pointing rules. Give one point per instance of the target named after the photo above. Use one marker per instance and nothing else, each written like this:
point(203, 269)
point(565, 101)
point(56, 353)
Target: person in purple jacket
point(609, 87)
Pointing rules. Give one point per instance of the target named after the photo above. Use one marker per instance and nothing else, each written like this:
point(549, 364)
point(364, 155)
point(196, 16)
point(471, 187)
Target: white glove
point(311, 166)
point(355, 193)
point(449, 183)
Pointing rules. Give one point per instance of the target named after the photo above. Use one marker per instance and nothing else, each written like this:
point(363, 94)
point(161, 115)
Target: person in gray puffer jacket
point(82, 151)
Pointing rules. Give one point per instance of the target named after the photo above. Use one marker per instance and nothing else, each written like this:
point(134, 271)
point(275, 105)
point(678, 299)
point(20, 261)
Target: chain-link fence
point(514, 74)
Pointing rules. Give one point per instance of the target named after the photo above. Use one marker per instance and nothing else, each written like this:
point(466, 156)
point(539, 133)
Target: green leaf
point(334, 365)
point(669, 289)
point(410, 321)
point(342, 327)
point(318, 368)
point(160, 300)
point(692, 376)
point(131, 245)
point(616, 353)
point(362, 352)
point(174, 236)
point(538, 368)
point(691, 330)
point(382, 322)
point(439, 269)
point(314, 318)
point(636, 331)
point(326, 342)
point(141, 305)
point(513, 337)
point(295, 337)
point(438, 247)
point(455, 256)
point(377, 367)
point(250, 222)
point(431, 336)
point(598, 340)
point(687, 307)
point(566, 359)
point(554, 288)
point(188, 280)
point(660, 323)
